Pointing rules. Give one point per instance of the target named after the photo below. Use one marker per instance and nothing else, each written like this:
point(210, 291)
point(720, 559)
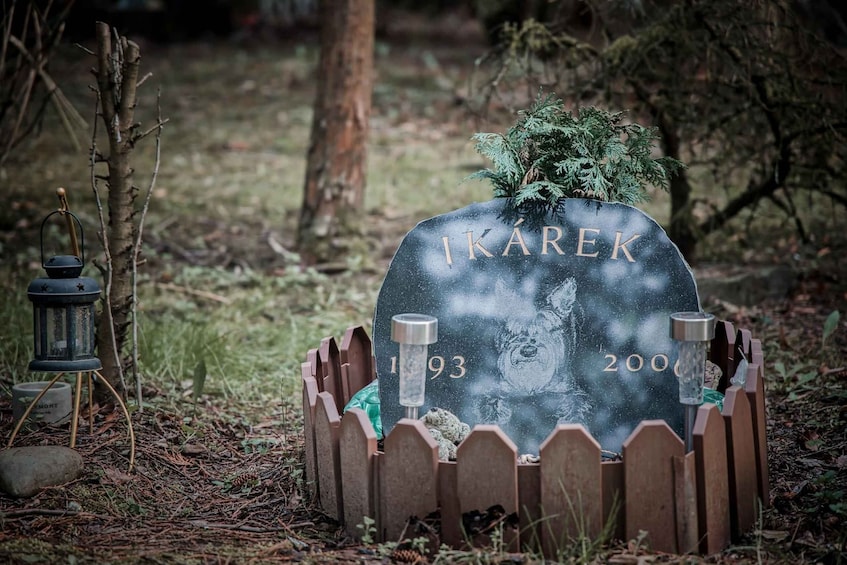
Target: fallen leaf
point(115, 476)
point(810, 462)
point(814, 444)
point(624, 559)
point(773, 535)
point(237, 145)
point(176, 459)
point(193, 449)
point(812, 440)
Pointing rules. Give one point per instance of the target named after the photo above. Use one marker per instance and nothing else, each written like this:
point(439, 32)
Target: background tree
point(118, 78)
point(748, 94)
point(335, 175)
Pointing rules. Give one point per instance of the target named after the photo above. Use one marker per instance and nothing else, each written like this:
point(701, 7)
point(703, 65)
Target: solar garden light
point(692, 331)
point(414, 333)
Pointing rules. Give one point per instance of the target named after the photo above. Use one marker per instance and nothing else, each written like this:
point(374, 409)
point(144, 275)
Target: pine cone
point(244, 478)
point(407, 556)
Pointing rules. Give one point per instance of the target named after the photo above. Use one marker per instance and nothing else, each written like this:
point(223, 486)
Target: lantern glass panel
point(57, 333)
point(38, 332)
point(84, 329)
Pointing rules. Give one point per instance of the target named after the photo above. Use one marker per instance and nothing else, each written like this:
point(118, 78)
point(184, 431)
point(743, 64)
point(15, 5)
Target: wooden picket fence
point(685, 502)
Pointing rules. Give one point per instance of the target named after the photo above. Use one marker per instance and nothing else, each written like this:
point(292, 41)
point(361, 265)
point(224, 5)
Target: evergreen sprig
point(550, 154)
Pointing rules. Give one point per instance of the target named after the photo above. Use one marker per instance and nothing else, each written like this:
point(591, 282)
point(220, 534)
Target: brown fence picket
point(330, 360)
point(327, 425)
point(408, 477)
point(448, 503)
point(741, 460)
point(649, 483)
point(531, 514)
point(755, 389)
point(357, 444)
point(357, 354)
point(614, 501)
point(378, 460)
point(571, 487)
point(712, 479)
point(487, 453)
point(722, 351)
point(310, 399)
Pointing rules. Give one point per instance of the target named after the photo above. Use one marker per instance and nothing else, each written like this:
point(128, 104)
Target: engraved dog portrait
point(535, 345)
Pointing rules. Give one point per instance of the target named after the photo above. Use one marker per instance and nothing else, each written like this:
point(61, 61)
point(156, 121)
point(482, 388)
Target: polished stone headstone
point(543, 318)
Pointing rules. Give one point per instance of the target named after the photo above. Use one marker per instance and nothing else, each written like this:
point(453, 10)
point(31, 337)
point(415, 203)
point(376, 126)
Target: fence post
point(722, 351)
point(331, 371)
point(742, 347)
point(685, 502)
point(530, 513)
point(315, 363)
point(755, 390)
point(614, 499)
point(448, 502)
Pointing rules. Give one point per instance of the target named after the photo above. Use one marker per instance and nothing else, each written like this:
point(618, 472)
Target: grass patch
point(251, 330)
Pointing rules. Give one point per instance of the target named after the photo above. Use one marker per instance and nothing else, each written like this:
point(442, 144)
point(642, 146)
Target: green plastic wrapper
point(368, 400)
point(710, 395)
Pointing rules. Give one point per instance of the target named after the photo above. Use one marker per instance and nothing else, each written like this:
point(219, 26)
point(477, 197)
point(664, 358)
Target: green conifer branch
point(550, 154)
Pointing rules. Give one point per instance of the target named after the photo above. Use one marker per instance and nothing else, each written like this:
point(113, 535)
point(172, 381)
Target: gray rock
point(26, 470)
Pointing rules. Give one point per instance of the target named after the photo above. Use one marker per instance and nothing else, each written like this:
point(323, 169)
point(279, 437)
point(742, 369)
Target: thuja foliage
point(749, 93)
point(552, 153)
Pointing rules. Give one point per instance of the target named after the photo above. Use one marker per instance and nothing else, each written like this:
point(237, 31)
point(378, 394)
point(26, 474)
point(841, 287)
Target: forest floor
point(226, 484)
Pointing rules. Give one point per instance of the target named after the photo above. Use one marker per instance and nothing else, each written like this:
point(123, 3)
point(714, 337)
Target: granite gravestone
point(544, 318)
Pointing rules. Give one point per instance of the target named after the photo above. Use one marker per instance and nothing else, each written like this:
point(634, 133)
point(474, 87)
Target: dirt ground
point(225, 488)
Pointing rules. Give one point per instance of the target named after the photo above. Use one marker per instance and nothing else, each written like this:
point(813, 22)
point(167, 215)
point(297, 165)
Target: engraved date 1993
point(438, 364)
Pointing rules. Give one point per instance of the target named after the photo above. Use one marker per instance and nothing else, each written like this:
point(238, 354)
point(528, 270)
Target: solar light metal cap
point(415, 329)
point(692, 326)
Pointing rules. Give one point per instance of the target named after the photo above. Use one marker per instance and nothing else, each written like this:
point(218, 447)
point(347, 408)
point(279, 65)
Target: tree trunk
point(682, 222)
point(335, 175)
point(117, 77)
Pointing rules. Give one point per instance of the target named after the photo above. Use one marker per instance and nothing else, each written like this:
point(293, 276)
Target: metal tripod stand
point(75, 414)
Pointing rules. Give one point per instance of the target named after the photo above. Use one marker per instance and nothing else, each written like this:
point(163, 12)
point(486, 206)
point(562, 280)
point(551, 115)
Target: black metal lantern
point(63, 323)
point(63, 312)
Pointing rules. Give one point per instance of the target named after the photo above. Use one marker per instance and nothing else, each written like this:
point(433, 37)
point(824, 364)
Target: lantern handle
point(64, 207)
point(80, 249)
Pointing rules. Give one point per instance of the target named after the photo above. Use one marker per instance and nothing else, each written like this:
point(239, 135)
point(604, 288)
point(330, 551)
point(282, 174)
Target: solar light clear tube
point(692, 371)
point(414, 333)
point(692, 331)
point(413, 358)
